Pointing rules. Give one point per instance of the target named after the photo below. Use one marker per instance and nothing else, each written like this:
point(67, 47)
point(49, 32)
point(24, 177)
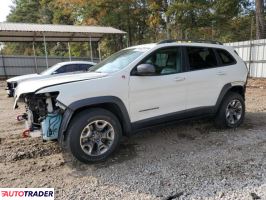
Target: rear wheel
point(93, 135)
point(231, 112)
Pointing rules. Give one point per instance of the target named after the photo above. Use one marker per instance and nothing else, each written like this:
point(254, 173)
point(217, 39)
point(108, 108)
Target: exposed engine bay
point(42, 113)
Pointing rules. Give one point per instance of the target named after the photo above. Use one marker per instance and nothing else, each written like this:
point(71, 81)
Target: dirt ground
point(190, 160)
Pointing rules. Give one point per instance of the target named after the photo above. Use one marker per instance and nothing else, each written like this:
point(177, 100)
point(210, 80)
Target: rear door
point(204, 80)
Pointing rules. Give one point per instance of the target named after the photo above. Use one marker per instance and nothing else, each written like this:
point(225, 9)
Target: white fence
point(254, 54)
point(20, 65)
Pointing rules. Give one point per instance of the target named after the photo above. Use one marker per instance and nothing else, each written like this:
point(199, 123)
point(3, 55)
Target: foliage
point(144, 21)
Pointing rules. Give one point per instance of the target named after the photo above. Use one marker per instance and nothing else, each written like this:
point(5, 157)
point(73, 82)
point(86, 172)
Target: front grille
point(9, 85)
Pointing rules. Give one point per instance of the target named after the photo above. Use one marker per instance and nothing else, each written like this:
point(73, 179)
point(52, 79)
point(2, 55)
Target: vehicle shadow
point(187, 130)
point(186, 156)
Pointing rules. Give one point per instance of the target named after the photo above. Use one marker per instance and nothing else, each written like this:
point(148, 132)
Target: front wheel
point(93, 135)
point(231, 112)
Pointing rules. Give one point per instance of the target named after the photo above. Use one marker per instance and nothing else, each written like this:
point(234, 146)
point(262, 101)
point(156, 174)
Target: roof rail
point(190, 41)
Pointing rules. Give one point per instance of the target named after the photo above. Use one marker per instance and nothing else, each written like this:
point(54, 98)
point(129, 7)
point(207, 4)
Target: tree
point(191, 18)
point(260, 20)
point(144, 20)
point(24, 11)
point(128, 15)
point(42, 12)
point(209, 20)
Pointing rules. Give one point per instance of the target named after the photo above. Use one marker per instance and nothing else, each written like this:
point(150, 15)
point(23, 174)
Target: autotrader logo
point(27, 193)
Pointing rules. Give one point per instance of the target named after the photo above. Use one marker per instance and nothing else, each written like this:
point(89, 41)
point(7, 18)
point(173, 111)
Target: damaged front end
point(43, 113)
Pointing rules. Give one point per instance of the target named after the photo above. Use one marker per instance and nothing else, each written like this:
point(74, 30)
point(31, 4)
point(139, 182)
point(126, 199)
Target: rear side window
point(225, 57)
point(201, 58)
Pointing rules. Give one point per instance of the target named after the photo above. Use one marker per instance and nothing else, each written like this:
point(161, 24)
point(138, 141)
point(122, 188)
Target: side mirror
point(145, 70)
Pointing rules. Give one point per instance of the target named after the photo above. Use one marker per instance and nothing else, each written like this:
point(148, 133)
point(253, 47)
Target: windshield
point(118, 60)
point(50, 70)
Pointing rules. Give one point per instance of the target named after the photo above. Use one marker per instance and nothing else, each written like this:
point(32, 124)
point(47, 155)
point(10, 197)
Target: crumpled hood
point(22, 78)
point(32, 86)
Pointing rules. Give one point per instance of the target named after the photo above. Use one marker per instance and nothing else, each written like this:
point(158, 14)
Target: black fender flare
point(94, 101)
point(223, 92)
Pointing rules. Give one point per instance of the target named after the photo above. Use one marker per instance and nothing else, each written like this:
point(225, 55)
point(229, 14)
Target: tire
point(87, 122)
point(222, 120)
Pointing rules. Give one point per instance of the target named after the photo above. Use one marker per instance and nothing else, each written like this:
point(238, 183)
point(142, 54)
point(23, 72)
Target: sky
point(4, 9)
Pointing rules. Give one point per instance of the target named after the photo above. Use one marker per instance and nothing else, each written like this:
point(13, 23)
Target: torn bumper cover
point(42, 114)
point(42, 99)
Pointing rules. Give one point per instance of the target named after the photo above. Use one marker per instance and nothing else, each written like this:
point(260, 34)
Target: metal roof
point(20, 32)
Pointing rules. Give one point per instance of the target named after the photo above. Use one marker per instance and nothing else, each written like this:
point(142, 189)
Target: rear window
point(225, 57)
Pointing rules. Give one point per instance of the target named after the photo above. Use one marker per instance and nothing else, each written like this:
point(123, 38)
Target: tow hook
point(22, 117)
point(26, 133)
point(31, 133)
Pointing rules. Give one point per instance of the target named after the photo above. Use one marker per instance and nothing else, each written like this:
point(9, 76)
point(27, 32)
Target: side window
point(165, 61)
point(226, 57)
point(68, 68)
point(84, 67)
point(61, 70)
point(201, 58)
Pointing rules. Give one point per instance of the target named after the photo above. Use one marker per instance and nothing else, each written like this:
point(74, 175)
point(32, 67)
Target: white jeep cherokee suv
point(135, 88)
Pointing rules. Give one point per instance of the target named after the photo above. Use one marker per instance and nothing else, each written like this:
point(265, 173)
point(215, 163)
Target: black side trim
point(64, 124)
point(172, 117)
point(92, 102)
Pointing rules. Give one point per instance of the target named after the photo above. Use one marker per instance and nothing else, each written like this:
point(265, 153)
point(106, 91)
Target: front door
point(162, 93)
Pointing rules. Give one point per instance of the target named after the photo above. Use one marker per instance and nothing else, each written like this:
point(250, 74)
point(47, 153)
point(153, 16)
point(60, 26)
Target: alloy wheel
point(234, 112)
point(97, 137)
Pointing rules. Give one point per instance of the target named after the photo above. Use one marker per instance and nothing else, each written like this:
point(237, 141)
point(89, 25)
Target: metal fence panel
point(20, 65)
point(254, 54)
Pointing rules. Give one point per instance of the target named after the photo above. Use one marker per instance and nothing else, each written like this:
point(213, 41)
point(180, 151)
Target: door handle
point(179, 78)
point(220, 73)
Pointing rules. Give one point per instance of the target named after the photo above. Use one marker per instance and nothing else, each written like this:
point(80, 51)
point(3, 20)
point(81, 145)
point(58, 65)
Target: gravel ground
point(190, 160)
